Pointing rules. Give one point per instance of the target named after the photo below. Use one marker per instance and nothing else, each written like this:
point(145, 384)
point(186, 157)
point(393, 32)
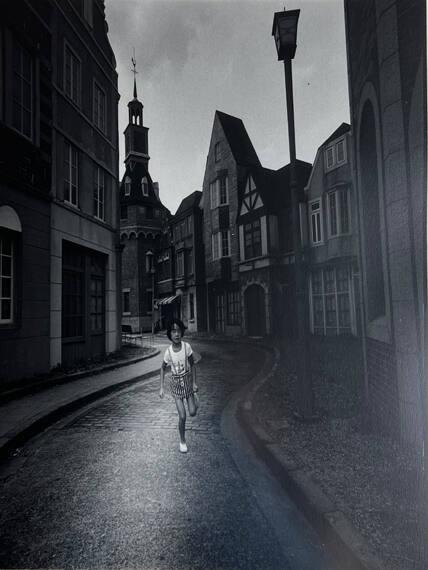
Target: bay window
point(315, 221)
point(331, 301)
point(252, 239)
point(339, 212)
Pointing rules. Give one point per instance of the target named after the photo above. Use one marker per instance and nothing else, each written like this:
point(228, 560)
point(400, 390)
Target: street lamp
point(284, 30)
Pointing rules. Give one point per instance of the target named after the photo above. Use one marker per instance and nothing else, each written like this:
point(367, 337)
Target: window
point(144, 187)
point(217, 152)
point(233, 308)
point(99, 192)
point(338, 212)
point(335, 154)
point(73, 294)
point(83, 292)
point(225, 243)
point(7, 277)
point(213, 195)
point(220, 244)
point(72, 75)
point(219, 192)
point(179, 267)
point(149, 261)
point(97, 303)
point(192, 306)
point(22, 115)
point(252, 239)
point(219, 312)
point(332, 208)
point(330, 157)
point(71, 175)
point(190, 267)
point(124, 212)
point(340, 152)
point(331, 301)
point(315, 213)
point(214, 246)
point(99, 109)
point(223, 191)
point(126, 301)
point(127, 186)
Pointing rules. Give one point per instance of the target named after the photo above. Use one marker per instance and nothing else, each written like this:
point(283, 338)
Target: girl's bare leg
point(181, 419)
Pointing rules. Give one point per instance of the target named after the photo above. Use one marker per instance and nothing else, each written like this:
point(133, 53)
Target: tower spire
point(134, 71)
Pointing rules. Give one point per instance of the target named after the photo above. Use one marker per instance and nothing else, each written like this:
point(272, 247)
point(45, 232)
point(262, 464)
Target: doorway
point(255, 310)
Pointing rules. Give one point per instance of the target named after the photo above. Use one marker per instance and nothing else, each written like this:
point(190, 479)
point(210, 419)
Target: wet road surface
point(108, 488)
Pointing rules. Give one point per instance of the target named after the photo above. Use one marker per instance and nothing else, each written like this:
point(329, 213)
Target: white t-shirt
point(178, 360)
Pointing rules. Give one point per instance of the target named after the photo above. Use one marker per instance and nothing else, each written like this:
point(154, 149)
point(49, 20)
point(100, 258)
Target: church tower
point(136, 134)
point(143, 218)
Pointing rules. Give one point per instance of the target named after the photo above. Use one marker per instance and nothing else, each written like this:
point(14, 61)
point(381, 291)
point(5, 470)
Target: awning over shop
point(167, 300)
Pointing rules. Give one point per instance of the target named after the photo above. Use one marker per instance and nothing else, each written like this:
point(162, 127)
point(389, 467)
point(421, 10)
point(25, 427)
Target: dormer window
point(217, 152)
point(335, 154)
point(127, 186)
point(144, 187)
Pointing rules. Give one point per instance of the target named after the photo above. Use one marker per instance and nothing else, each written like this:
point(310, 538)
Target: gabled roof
point(274, 185)
point(238, 139)
point(344, 128)
point(189, 202)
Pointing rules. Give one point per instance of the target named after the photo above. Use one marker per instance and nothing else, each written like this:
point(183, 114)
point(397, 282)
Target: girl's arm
point(162, 378)
point(193, 369)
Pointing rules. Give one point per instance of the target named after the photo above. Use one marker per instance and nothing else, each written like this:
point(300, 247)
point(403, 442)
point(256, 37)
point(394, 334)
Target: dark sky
point(194, 57)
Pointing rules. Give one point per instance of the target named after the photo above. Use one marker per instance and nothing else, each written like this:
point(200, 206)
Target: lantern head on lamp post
point(284, 30)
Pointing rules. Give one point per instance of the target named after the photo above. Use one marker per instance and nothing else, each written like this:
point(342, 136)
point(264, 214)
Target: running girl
point(179, 356)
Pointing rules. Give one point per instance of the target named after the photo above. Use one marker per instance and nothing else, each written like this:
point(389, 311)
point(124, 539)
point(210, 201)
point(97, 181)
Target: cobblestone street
point(107, 486)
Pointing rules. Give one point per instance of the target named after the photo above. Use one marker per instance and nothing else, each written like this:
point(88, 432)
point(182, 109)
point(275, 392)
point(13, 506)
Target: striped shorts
point(181, 386)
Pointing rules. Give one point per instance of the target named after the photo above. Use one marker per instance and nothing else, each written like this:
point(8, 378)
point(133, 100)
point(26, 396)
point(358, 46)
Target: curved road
point(108, 488)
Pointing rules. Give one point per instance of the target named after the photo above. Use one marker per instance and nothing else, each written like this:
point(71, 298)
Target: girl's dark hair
point(177, 322)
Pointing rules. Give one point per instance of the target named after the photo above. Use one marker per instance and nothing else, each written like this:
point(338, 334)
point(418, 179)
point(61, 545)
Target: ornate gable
point(252, 199)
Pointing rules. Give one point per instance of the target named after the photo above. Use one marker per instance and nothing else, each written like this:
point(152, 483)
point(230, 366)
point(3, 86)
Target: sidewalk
point(358, 489)
point(24, 413)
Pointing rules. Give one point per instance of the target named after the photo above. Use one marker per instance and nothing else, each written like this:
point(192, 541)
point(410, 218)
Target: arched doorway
point(255, 311)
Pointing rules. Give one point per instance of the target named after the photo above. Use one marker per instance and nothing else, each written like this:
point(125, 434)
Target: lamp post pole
point(285, 32)
point(304, 377)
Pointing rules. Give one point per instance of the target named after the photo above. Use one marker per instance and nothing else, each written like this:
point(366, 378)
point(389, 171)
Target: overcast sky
point(194, 57)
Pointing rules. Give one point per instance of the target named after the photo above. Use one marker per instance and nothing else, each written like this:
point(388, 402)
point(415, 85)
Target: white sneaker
point(183, 447)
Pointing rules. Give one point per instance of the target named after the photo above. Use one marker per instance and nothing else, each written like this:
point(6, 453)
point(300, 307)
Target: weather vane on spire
point(134, 71)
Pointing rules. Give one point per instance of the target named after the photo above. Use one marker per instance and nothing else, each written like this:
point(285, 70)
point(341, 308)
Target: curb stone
point(13, 441)
point(16, 393)
point(345, 542)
